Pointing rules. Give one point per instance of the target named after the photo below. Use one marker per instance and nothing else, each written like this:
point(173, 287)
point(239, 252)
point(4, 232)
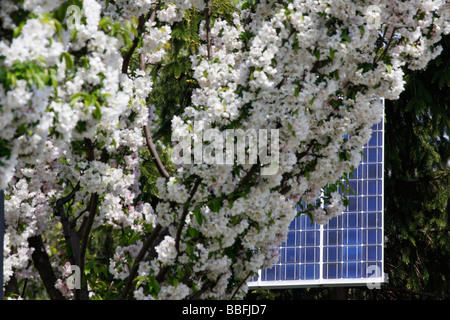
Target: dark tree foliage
point(417, 179)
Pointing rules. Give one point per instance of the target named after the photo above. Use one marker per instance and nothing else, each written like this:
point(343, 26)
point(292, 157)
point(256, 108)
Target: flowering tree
point(78, 114)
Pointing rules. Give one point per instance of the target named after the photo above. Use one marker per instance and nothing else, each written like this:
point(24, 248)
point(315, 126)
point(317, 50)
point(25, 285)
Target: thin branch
point(79, 255)
point(185, 212)
point(157, 231)
point(208, 28)
point(93, 203)
point(161, 274)
point(129, 54)
point(379, 47)
point(240, 285)
point(140, 29)
point(208, 285)
point(151, 147)
point(246, 179)
point(148, 137)
point(383, 54)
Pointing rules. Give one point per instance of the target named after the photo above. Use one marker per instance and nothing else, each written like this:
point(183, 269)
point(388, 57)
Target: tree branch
point(129, 54)
point(208, 28)
point(246, 179)
point(69, 231)
point(208, 285)
point(155, 157)
point(140, 29)
point(383, 54)
point(240, 285)
point(93, 203)
point(145, 247)
point(185, 212)
point(163, 271)
point(41, 261)
point(148, 137)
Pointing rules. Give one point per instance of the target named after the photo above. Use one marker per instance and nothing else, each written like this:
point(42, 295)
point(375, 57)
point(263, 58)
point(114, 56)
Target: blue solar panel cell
point(352, 236)
point(351, 253)
point(349, 246)
point(290, 272)
point(352, 219)
point(372, 253)
point(332, 270)
point(309, 255)
point(372, 236)
point(352, 270)
point(372, 219)
point(309, 271)
point(309, 238)
point(332, 254)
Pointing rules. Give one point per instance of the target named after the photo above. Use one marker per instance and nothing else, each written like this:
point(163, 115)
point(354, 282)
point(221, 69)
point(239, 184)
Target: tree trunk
point(42, 263)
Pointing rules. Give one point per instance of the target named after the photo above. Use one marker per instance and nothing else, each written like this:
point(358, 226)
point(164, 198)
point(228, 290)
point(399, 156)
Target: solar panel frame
point(348, 250)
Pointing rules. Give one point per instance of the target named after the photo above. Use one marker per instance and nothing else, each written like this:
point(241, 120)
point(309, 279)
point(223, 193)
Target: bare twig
point(385, 51)
point(157, 230)
point(246, 179)
point(140, 29)
point(151, 147)
point(93, 203)
point(208, 28)
point(240, 285)
point(208, 285)
point(148, 137)
point(185, 212)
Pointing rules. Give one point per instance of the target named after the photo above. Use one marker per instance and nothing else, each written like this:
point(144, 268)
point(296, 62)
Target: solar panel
point(348, 250)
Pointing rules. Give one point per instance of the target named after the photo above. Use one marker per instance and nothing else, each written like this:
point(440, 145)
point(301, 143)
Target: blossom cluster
point(323, 107)
point(71, 127)
point(70, 122)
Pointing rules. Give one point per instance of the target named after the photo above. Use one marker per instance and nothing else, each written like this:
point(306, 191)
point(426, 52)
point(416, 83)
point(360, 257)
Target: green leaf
point(345, 36)
point(215, 204)
point(69, 61)
point(295, 44)
point(18, 29)
point(177, 70)
point(22, 129)
point(97, 112)
point(389, 68)
point(53, 78)
point(193, 232)
point(154, 285)
point(316, 53)
point(198, 216)
point(332, 52)
point(74, 99)
point(37, 78)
